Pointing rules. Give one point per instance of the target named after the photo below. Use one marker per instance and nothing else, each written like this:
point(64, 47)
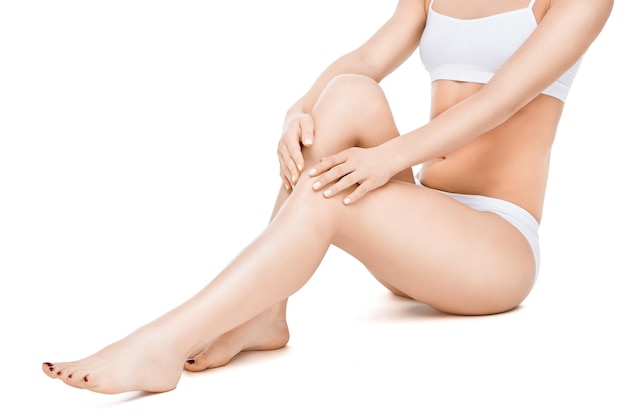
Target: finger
point(358, 193)
point(327, 163)
point(344, 183)
point(306, 130)
point(291, 139)
point(286, 183)
point(284, 172)
point(290, 146)
point(292, 171)
point(332, 175)
point(295, 153)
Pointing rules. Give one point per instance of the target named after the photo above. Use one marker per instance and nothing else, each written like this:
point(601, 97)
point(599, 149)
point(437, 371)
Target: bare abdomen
point(509, 162)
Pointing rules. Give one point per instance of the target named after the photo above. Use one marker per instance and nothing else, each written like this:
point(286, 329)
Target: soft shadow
point(394, 308)
point(134, 396)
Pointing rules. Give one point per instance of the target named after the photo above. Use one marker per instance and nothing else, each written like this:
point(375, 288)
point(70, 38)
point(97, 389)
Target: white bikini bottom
point(512, 213)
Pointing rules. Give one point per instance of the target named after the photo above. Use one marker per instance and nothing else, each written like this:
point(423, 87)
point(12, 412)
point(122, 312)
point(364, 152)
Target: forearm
point(451, 129)
point(351, 63)
point(380, 55)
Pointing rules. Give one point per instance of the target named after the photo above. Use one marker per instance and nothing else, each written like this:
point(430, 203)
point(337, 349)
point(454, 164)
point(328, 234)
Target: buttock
point(512, 213)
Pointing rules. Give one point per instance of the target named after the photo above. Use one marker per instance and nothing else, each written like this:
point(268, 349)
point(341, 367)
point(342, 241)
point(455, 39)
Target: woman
point(463, 238)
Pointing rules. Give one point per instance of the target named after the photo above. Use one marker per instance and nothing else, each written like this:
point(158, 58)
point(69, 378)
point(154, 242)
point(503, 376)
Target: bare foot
point(268, 331)
point(139, 362)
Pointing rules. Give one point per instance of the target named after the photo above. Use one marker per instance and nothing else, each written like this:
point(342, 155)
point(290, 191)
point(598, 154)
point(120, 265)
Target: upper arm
point(560, 39)
point(396, 40)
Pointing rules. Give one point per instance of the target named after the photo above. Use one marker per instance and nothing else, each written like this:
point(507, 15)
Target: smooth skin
point(347, 181)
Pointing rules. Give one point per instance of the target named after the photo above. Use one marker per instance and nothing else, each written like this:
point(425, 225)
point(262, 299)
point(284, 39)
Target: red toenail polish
point(85, 379)
point(69, 376)
point(59, 373)
point(191, 361)
point(48, 364)
point(51, 369)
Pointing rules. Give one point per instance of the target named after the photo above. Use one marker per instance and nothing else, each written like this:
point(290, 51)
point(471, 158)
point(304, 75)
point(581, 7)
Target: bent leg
point(352, 111)
point(439, 251)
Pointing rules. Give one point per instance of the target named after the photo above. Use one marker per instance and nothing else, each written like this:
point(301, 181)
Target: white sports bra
point(472, 50)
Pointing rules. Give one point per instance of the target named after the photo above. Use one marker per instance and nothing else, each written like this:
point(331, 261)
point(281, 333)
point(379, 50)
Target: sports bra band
point(530, 5)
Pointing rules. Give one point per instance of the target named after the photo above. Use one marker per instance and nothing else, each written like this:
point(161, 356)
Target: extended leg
point(271, 268)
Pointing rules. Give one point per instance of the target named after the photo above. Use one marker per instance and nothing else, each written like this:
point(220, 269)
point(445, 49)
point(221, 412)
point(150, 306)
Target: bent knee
point(353, 81)
point(361, 92)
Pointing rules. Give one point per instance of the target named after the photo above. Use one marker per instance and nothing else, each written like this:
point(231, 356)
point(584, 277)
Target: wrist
point(393, 156)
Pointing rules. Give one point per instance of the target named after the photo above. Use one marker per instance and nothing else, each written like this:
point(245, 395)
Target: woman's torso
point(509, 162)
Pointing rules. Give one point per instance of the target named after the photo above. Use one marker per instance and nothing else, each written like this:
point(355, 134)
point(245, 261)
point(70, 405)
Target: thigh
point(436, 250)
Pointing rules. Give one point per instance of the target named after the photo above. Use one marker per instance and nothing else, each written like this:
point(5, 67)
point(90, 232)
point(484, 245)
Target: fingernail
point(317, 185)
point(286, 186)
point(346, 200)
point(307, 141)
point(313, 171)
point(191, 361)
point(327, 193)
point(293, 178)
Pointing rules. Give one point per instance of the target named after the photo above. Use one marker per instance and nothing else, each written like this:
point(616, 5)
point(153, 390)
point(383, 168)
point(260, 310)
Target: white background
point(137, 156)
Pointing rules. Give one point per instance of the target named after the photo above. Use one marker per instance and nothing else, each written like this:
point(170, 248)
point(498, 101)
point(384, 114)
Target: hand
point(297, 132)
point(368, 168)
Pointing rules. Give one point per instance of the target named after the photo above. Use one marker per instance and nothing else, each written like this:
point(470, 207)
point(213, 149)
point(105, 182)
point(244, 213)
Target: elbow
point(368, 65)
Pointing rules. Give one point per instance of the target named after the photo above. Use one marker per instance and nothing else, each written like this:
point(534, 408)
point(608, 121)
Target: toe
point(75, 378)
point(195, 364)
point(199, 363)
point(189, 364)
point(55, 370)
point(49, 369)
point(92, 382)
point(85, 379)
point(210, 358)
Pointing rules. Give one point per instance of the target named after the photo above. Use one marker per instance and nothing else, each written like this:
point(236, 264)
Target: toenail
point(48, 364)
point(85, 379)
point(59, 373)
point(69, 376)
point(191, 361)
point(51, 369)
